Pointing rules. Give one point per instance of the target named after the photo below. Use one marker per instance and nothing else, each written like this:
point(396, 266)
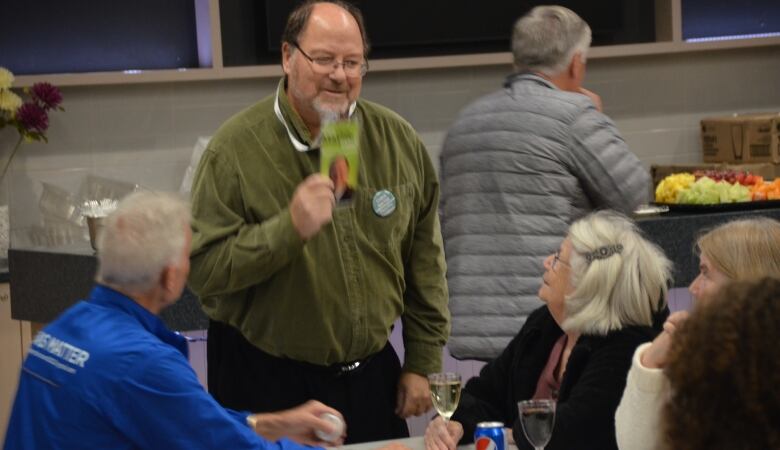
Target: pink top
point(548, 385)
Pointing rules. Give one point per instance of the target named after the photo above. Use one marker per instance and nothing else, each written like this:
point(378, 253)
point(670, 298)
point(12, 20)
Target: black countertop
point(44, 282)
point(676, 234)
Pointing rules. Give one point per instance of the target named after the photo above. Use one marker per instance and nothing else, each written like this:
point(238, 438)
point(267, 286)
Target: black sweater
point(590, 391)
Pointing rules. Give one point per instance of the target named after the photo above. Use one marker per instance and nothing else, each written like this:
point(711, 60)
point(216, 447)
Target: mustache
point(331, 85)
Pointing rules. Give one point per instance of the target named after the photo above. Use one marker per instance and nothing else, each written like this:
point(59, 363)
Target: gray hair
point(146, 233)
point(619, 277)
point(546, 38)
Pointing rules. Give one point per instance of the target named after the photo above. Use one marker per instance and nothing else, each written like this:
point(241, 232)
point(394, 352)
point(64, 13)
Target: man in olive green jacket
point(303, 292)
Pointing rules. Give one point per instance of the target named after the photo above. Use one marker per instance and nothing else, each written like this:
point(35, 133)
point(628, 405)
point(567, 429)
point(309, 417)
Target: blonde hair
point(627, 287)
point(145, 234)
point(744, 249)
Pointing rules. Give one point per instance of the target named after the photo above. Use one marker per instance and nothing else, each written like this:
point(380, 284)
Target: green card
point(339, 156)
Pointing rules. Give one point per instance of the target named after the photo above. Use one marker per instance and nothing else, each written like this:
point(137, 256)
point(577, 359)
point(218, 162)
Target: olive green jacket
point(333, 298)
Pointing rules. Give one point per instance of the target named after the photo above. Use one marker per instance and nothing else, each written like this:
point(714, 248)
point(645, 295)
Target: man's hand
point(298, 424)
point(312, 205)
point(441, 436)
point(414, 395)
point(655, 356)
point(593, 97)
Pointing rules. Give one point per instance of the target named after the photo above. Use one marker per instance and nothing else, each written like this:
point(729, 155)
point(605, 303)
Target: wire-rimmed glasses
point(327, 64)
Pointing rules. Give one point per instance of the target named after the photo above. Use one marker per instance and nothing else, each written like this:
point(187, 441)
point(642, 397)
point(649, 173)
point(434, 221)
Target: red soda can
point(489, 436)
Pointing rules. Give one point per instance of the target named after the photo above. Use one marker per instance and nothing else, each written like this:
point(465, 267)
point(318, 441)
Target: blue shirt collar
point(110, 298)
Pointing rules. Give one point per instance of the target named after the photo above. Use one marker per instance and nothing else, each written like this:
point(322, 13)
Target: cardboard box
point(741, 138)
point(767, 170)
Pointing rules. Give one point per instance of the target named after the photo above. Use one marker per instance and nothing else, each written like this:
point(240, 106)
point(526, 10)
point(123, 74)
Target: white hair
point(546, 38)
point(145, 234)
point(627, 287)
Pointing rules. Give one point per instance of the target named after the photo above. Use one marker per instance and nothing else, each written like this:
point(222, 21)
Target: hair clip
point(603, 252)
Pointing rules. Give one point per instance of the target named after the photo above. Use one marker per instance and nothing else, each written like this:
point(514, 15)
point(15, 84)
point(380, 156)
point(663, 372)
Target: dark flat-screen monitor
point(55, 36)
point(401, 28)
point(728, 19)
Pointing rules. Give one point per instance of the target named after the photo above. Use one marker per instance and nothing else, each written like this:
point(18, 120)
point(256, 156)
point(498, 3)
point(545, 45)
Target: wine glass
point(537, 418)
point(445, 393)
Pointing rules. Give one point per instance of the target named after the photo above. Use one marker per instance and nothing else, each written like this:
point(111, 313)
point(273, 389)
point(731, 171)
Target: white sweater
point(637, 420)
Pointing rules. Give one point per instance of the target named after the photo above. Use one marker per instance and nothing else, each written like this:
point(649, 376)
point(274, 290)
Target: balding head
point(327, 13)
point(323, 58)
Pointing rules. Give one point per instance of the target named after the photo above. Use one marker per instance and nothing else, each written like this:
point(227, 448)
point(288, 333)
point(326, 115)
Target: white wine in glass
point(445, 393)
point(537, 418)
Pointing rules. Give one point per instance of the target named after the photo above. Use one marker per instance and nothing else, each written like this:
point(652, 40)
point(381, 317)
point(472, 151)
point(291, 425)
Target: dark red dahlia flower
point(49, 96)
point(32, 117)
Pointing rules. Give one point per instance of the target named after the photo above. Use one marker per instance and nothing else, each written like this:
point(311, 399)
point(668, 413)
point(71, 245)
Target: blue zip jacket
point(108, 374)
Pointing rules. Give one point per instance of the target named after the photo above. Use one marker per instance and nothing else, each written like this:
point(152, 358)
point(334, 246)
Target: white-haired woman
point(603, 289)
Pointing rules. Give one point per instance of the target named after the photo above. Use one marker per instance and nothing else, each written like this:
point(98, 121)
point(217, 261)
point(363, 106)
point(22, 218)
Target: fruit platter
point(709, 190)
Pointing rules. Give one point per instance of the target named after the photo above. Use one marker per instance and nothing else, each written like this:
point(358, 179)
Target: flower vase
point(5, 227)
point(6, 157)
point(5, 237)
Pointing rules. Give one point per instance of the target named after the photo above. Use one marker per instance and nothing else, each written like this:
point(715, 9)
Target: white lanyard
point(300, 146)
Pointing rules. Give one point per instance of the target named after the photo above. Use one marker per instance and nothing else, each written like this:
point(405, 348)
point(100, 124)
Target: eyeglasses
point(327, 64)
point(557, 259)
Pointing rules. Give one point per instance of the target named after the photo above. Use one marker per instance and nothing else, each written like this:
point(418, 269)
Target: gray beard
point(330, 112)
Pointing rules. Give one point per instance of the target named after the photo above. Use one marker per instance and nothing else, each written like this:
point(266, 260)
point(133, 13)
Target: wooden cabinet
point(14, 339)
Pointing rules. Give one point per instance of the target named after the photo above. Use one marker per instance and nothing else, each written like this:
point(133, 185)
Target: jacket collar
point(110, 298)
point(296, 130)
point(527, 76)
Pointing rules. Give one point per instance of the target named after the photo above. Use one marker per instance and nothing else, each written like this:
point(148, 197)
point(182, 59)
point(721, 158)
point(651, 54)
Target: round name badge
point(383, 203)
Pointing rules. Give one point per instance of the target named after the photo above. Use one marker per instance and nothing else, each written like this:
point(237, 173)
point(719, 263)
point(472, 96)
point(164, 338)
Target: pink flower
point(49, 96)
point(32, 117)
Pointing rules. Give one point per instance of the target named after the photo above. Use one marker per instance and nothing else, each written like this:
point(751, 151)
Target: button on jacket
point(108, 374)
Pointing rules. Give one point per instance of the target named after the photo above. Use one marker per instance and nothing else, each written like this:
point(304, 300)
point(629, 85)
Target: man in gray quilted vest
point(518, 166)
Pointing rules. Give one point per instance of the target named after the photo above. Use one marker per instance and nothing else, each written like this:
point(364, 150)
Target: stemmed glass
point(537, 418)
point(445, 393)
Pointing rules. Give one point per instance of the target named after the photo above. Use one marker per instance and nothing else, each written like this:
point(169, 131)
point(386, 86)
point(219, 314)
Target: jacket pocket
point(385, 214)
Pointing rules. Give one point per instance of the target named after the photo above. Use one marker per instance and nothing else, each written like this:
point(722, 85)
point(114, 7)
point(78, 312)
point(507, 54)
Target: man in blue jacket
point(108, 374)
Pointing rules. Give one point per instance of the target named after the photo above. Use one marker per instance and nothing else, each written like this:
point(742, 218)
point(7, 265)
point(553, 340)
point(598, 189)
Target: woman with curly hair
point(724, 373)
point(736, 251)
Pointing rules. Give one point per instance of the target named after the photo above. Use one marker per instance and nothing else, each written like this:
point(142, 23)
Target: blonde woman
point(602, 290)
point(736, 251)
